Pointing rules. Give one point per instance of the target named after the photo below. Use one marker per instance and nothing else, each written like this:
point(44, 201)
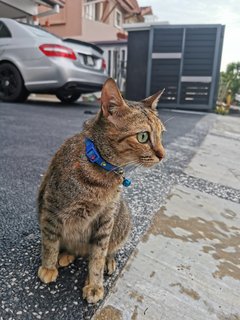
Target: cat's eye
point(143, 137)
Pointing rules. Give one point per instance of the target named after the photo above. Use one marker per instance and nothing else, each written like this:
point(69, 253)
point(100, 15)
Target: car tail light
point(104, 66)
point(56, 50)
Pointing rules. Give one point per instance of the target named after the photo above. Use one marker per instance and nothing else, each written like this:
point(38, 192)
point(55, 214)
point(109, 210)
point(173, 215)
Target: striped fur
point(81, 210)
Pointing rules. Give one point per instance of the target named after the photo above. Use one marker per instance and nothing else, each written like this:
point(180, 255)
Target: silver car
point(34, 60)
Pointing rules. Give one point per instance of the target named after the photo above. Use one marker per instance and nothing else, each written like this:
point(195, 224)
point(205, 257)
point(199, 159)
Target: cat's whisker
point(133, 169)
point(128, 163)
point(139, 165)
point(136, 164)
point(168, 120)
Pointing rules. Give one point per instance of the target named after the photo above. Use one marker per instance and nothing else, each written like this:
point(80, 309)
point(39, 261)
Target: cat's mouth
point(149, 164)
point(148, 161)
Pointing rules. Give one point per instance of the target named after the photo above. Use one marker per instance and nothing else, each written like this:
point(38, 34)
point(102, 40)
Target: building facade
point(95, 20)
point(100, 22)
point(27, 10)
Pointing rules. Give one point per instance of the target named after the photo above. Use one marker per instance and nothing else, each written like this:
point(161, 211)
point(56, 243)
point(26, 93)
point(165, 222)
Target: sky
point(226, 12)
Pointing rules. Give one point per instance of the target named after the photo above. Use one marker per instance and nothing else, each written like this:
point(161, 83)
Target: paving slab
point(187, 266)
point(218, 159)
point(228, 126)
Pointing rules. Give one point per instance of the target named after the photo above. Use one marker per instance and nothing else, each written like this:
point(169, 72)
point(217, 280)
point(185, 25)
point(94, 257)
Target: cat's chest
point(79, 226)
point(76, 236)
point(75, 229)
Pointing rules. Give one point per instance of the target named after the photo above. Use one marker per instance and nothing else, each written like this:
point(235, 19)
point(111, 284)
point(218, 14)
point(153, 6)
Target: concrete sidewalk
point(187, 265)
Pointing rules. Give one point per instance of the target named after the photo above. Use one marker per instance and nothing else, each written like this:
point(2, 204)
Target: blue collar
point(94, 157)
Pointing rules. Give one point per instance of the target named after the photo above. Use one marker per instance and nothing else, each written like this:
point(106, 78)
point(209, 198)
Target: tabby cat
point(81, 211)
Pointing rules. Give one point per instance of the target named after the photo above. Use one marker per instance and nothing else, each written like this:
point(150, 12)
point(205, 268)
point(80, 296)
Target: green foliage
point(230, 80)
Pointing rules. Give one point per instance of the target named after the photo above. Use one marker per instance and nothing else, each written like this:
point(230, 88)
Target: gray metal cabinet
point(183, 59)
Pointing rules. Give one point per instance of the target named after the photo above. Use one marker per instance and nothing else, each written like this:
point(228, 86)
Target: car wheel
point(12, 87)
point(67, 97)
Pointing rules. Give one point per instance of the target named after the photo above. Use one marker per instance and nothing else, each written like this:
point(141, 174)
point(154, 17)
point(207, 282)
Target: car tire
point(12, 87)
point(67, 97)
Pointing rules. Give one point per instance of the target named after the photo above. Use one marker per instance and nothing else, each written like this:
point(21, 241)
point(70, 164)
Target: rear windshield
point(39, 32)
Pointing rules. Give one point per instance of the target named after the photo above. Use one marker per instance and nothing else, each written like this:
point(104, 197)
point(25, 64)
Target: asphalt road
point(29, 136)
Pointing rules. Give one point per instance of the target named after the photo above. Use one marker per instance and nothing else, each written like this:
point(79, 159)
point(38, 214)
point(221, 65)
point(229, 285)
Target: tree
point(230, 80)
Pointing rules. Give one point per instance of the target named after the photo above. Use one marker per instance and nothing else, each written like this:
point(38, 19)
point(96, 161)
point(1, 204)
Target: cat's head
point(134, 127)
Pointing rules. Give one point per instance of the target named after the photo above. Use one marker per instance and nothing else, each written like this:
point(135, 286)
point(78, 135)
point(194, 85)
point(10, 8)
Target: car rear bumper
point(73, 86)
point(62, 73)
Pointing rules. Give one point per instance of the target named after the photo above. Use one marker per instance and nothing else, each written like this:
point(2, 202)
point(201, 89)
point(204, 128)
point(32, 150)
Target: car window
point(4, 32)
point(39, 32)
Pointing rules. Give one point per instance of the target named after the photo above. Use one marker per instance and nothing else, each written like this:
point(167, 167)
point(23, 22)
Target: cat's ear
point(112, 102)
point(152, 101)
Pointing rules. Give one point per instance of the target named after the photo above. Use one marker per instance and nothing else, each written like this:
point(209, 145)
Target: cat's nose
point(160, 153)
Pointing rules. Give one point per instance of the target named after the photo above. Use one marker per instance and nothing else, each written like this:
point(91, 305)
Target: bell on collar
point(120, 171)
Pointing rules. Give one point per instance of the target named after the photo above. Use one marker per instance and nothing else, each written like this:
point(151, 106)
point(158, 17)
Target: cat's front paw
point(47, 275)
point(93, 293)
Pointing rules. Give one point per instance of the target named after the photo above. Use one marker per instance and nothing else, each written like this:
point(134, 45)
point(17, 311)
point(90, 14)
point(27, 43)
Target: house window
point(93, 10)
point(118, 19)
point(88, 11)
